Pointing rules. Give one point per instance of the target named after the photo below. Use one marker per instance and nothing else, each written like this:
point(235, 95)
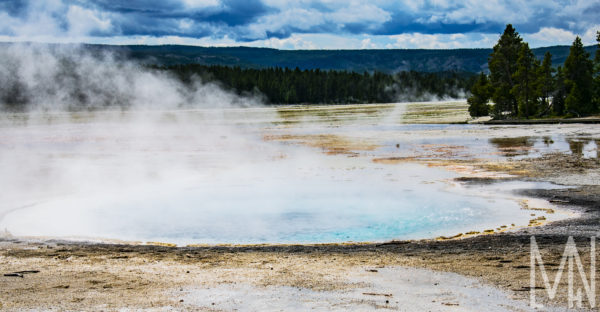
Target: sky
point(300, 24)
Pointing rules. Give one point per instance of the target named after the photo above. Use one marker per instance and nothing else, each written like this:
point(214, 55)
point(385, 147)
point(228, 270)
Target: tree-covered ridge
point(520, 86)
point(388, 60)
point(287, 86)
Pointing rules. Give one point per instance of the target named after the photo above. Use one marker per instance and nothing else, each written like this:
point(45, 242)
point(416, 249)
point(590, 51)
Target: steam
point(410, 90)
point(411, 93)
point(104, 147)
point(91, 124)
point(36, 77)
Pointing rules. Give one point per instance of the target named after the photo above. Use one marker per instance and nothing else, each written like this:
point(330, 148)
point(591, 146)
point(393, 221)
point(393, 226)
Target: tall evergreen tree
point(546, 83)
point(503, 65)
point(597, 74)
point(480, 96)
point(560, 93)
point(578, 80)
point(525, 82)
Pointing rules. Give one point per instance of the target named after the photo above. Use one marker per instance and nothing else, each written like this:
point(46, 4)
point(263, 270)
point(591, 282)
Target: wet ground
point(82, 276)
point(358, 173)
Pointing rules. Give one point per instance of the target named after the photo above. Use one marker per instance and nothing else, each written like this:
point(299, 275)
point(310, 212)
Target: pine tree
point(578, 80)
point(546, 83)
point(597, 74)
point(560, 93)
point(525, 82)
point(503, 65)
point(480, 96)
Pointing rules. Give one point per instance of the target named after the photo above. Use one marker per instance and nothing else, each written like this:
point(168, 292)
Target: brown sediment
point(436, 113)
point(161, 244)
point(459, 235)
point(547, 166)
point(330, 143)
point(427, 153)
point(510, 147)
point(394, 160)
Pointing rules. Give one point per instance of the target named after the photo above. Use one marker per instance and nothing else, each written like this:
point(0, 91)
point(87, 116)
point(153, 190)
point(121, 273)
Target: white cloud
point(186, 24)
point(39, 19)
point(197, 4)
point(309, 24)
point(442, 41)
point(52, 18)
point(360, 13)
point(556, 36)
point(84, 21)
point(295, 41)
point(589, 37)
point(489, 11)
point(301, 16)
point(303, 19)
point(551, 35)
point(367, 44)
point(7, 23)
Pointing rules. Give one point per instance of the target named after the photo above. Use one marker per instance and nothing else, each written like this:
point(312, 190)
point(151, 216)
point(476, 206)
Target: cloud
point(558, 36)
point(552, 35)
point(442, 41)
point(85, 21)
point(195, 4)
point(290, 23)
point(367, 44)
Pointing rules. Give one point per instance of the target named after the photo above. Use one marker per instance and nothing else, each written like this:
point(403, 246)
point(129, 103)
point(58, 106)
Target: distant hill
point(388, 61)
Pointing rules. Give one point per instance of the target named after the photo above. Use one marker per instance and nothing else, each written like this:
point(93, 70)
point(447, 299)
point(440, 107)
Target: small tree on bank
point(480, 96)
point(525, 81)
point(578, 80)
point(546, 83)
point(503, 65)
point(560, 93)
point(596, 74)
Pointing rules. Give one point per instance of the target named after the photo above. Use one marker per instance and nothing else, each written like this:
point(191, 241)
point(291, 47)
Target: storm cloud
point(267, 22)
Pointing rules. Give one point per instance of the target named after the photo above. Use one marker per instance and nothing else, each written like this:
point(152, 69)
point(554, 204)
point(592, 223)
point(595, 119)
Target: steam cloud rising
point(132, 137)
point(70, 77)
point(154, 173)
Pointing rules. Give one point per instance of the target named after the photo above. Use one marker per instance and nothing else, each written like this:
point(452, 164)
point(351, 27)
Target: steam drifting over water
point(208, 176)
point(189, 165)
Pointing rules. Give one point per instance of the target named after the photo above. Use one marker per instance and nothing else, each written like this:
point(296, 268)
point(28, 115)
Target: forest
point(521, 86)
point(388, 61)
point(287, 86)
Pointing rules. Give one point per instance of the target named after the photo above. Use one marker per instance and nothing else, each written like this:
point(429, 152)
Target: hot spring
point(245, 176)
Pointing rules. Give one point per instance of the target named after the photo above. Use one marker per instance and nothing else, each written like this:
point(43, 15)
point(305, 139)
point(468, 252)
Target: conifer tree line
point(520, 86)
point(314, 86)
point(275, 85)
